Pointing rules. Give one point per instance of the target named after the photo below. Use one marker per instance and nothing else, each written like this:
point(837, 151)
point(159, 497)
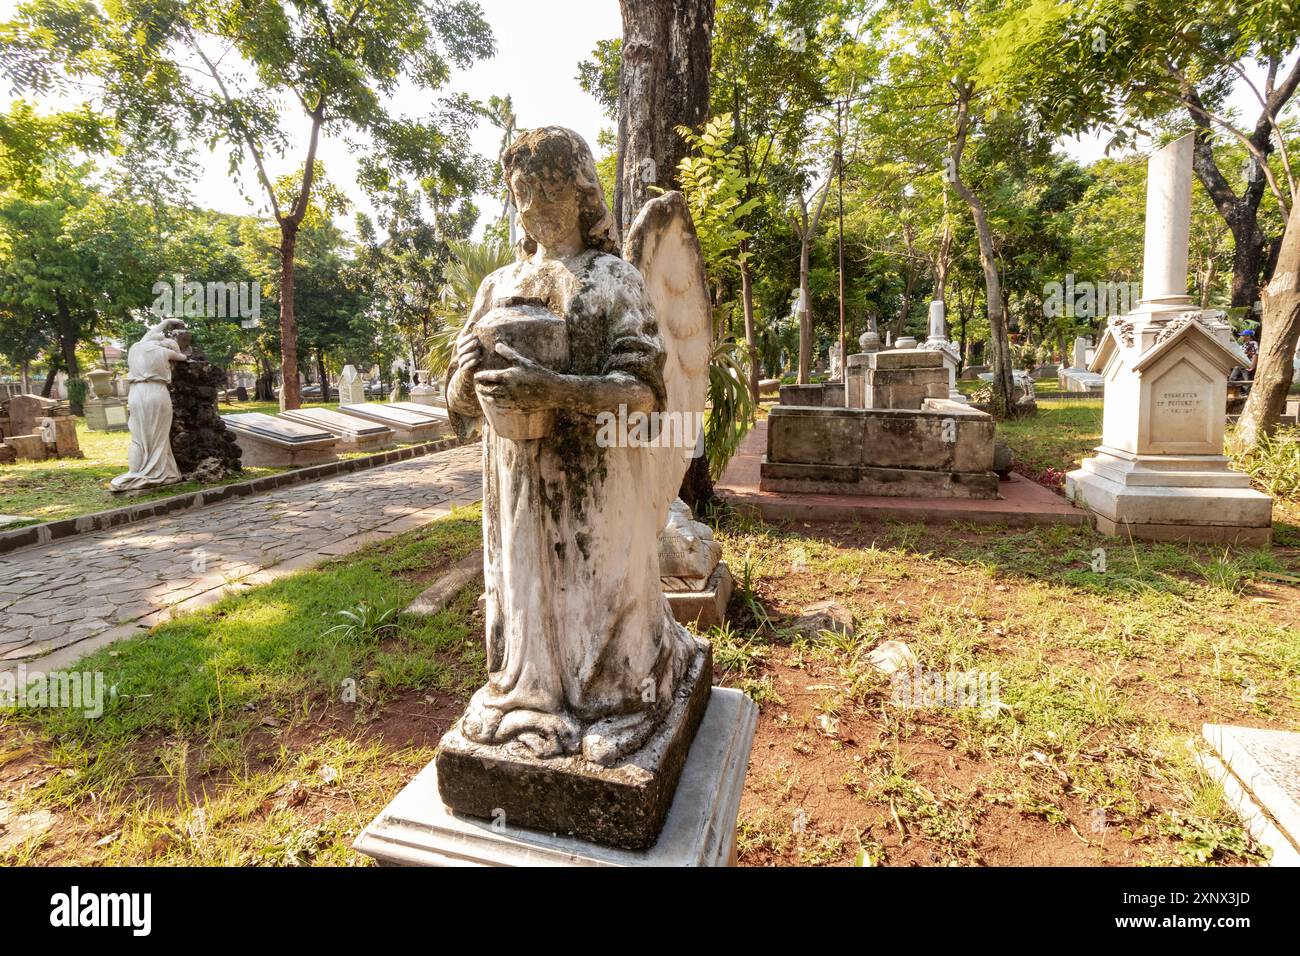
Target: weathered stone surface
point(60, 436)
point(890, 657)
point(357, 433)
point(821, 395)
point(199, 437)
point(407, 425)
point(1263, 771)
point(705, 606)
point(276, 442)
point(27, 447)
point(824, 616)
point(893, 359)
point(451, 582)
point(622, 805)
point(416, 829)
point(882, 438)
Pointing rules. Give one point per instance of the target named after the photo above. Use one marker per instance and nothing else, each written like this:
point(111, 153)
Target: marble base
point(622, 805)
point(705, 608)
point(1259, 771)
point(258, 452)
point(106, 414)
point(417, 829)
point(1171, 498)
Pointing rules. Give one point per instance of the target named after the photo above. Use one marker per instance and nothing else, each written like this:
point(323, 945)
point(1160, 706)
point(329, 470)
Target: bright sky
point(539, 45)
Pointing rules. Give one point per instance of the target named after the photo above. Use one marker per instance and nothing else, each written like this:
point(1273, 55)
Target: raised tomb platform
point(899, 435)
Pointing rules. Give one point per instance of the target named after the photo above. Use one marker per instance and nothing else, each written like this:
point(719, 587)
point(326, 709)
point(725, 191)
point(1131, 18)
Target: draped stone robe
point(582, 649)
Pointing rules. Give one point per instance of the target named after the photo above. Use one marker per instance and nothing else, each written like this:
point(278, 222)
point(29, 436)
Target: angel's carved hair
point(553, 153)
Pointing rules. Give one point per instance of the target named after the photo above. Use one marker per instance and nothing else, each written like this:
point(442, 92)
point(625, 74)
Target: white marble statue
point(149, 371)
point(583, 653)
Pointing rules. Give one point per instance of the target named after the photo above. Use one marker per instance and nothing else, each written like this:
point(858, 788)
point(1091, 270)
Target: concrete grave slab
point(269, 441)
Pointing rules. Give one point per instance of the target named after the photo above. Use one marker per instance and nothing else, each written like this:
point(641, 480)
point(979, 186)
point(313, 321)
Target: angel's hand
point(525, 385)
point(468, 352)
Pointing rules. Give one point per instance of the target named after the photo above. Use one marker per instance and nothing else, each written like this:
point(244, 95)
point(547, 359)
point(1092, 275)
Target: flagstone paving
point(63, 599)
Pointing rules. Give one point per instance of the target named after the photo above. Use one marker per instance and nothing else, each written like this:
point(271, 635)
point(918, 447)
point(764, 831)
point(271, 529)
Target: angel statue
point(583, 653)
point(149, 457)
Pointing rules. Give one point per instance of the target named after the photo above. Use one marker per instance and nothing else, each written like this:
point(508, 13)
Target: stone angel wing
point(663, 246)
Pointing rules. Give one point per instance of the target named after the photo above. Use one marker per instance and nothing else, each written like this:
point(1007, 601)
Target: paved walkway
point(59, 601)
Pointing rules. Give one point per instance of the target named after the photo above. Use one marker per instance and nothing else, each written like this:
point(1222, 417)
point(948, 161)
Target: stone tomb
point(352, 390)
point(269, 441)
point(408, 426)
point(357, 433)
point(437, 412)
point(1259, 770)
point(898, 436)
point(900, 378)
point(1160, 472)
point(942, 450)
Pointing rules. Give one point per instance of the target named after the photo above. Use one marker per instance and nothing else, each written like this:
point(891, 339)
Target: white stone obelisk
point(937, 340)
point(1160, 472)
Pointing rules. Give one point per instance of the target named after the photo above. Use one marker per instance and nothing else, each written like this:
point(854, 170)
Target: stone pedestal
point(944, 450)
point(621, 806)
point(903, 378)
point(706, 606)
point(1160, 472)
point(105, 414)
point(417, 828)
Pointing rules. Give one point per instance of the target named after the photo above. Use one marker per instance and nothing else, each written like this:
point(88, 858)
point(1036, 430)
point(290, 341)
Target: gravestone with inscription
point(1160, 472)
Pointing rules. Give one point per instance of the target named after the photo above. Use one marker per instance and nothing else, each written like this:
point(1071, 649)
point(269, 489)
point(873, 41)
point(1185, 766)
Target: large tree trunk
point(290, 393)
point(1281, 331)
point(664, 83)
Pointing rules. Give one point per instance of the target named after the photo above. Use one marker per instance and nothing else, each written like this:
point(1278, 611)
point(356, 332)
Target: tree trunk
point(324, 375)
point(664, 83)
point(999, 341)
point(47, 387)
point(1281, 331)
point(747, 306)
point(805, 313)
point(290, 393)
point(68, 346)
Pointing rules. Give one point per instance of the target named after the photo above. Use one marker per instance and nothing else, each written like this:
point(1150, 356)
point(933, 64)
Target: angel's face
point(549, 210)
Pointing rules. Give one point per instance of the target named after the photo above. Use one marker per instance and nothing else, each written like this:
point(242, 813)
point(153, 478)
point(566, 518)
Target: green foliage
point(471, 263)
point(1273, 463)
point(718, 192)
point(730, 405)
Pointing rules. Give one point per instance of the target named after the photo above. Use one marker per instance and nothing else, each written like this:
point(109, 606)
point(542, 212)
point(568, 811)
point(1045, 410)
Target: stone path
point(61, 600)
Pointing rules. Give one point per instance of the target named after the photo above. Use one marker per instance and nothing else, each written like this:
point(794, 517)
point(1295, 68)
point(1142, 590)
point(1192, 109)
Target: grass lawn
point(59, 488)
point(233, 739)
